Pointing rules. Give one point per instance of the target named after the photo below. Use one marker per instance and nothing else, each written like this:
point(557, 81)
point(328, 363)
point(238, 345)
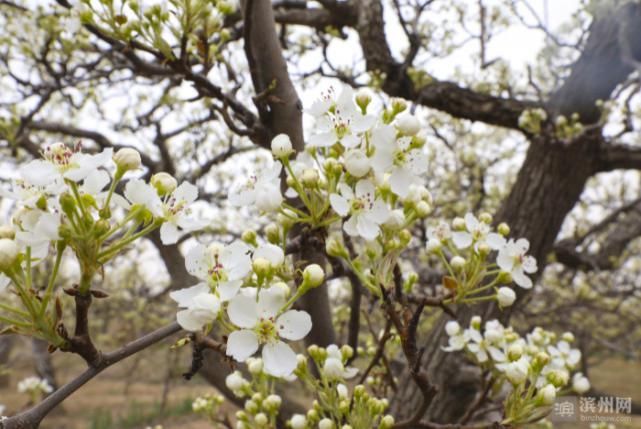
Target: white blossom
point(221, 268)
point(367, 212)
point(512, 259)
point(262, 190)
point(260, 323)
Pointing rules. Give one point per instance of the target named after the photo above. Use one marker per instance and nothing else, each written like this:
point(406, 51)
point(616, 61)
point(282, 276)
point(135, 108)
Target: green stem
point(108, 253)
point(52, 279)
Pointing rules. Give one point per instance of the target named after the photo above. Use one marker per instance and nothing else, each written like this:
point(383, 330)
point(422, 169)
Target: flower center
point(266, 330)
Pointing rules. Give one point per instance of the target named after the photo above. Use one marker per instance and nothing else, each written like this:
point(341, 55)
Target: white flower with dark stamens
point(512, 259)
point(441, 232)
point(261, 190)
point(201, 308)
point(367, 212)
point(339, 121)
point(261, 323)
point(221, 268)
point(174, 209)
point(61, 162)
point(404, 163)
point(477, 233)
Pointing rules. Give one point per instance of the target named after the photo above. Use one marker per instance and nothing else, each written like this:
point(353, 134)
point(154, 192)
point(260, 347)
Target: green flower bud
point(249, 237)
point(126, 159)
point(164, 183)
point(272, 232)
point(485, 218)
point(503, 229)
point(67, 203)
point(313, 276)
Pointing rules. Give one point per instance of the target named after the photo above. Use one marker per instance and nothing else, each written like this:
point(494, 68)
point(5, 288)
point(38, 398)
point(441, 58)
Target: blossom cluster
point(262, 405)
point(69, 199)
point(537, 367)
point(243, 287)
point(360, 178)
point(335, 405)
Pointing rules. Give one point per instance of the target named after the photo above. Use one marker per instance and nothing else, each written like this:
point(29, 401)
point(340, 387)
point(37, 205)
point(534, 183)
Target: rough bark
point(547, 187)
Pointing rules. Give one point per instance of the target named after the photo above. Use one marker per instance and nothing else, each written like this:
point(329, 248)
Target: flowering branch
point(31, 418)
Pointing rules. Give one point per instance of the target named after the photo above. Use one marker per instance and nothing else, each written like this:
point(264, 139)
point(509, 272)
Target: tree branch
point(31, 418)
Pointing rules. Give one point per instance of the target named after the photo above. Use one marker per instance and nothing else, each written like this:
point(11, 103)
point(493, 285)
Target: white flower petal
point(294, 325)
point(243, 311)
point(169, 233)
point(279, 359)
point(242, 344)
point(184, 297)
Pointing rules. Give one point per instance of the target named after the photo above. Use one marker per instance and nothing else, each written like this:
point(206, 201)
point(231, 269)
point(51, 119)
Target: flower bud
point(398, 105)
point(405, 237)
point(546, 395)
point(423, 209)
point(164, 183)
point(475, 322)
point(249, 237)
point(127, 159)
point(255, 366)
point(334, 247)
point(503, 229)
point(67, 203)
point(326, 424)
point(313, 275)
point(342, 390)
point(485, 218)
point(282, 146)
point(484, 250)
point(458, 224)
point(261, 267)
point(580, 383)
point(298, 421)
point(540, 360)
point(8, 253)
point(272, 232)
point(514, 352)
point(408, 124)
point(457, 263)
point(558, 377)
point(235, 381)
point(251, 406)
point(363, 98)
point(282, 288)
point(310, 177)
point(387, 422)
point(505, 296)
point(273, 402)
point(333, 368)
point(517, 372)
point(356, 163)
point(261, 419)
point(452, 328)
point(568, 336)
